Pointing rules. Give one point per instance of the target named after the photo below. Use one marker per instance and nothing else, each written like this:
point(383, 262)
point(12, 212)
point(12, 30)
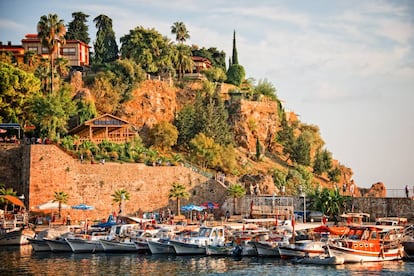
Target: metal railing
point(399, 193)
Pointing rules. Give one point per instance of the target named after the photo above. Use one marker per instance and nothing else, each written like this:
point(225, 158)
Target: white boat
point(58, 245)
point(302, 248)
point(278, 236)
point(89, 243)
point(197, 245)
point(125, 245)
point(324, 259)
point(16, 236)
point(161, 246)
point(39, 245)
point(220, 250)
point(369, 244)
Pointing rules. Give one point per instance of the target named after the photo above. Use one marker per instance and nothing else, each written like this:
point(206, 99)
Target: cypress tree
point(235, 59)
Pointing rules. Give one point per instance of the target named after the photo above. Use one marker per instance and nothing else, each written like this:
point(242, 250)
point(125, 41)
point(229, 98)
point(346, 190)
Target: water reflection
point(22, 261)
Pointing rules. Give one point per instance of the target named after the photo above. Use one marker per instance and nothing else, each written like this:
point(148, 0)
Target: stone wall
point(52, 170)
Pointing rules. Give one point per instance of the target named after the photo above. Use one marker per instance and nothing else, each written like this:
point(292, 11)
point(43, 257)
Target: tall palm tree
point(178, 191)
point(51, 31)
point(236, 191)
point(180, 31)
point(61, 197)
point(120, 196)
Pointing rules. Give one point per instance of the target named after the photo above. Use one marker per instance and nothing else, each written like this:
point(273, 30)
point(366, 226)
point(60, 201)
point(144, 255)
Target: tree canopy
point(77, 28)
point(105, 46)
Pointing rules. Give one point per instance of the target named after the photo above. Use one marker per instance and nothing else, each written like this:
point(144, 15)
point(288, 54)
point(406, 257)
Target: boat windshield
point(204, 232)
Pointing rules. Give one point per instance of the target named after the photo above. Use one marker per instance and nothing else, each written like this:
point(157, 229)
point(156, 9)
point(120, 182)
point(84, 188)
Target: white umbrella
point(51, 205)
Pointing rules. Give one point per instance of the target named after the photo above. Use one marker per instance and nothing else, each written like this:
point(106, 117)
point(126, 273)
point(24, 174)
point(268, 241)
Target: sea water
point(21, 260)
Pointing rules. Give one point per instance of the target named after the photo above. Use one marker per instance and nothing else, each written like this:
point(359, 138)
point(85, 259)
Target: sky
point(344, 66)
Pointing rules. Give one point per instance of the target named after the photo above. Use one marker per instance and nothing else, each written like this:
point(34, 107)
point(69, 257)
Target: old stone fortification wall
point(52, 170)
point(40, 170)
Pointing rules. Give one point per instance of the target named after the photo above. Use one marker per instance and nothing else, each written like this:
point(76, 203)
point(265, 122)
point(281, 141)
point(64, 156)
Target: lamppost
point(302, 194)
point(122, 203)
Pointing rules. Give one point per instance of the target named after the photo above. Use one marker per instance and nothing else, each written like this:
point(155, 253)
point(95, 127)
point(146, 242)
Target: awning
point(13, 199)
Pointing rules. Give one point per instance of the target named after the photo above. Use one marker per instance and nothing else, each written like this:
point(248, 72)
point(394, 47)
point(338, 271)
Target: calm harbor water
point(22, 261)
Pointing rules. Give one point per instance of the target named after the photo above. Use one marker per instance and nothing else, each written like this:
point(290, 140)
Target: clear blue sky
point(345, 66)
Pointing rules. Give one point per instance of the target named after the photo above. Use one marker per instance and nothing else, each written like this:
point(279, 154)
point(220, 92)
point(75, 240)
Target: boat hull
point(182, 248)
point(266, 249)
point(85, 246)
point(59, 245)
point(300, 250)
point(213, 250)
point(116, 246)
point(16, 237)
point(359, 256)
point(39, 245)
point(157, 247)
point(408, 249)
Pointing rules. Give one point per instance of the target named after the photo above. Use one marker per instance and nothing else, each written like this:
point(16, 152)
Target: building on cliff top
point(105, 128)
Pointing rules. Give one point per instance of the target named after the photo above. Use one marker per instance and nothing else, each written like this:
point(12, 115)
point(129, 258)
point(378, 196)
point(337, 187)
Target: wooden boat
point(220, 250)
point(369, 244)
point(39, 244)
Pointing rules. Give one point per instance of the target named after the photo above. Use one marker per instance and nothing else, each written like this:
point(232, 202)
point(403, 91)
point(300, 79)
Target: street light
point(302, 194)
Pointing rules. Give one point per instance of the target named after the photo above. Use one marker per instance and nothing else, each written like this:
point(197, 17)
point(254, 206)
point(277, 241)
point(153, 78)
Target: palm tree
point(120, 196)
point(180, 31)
point(178, 191)
point(236, 191)
point(329, 201)
point(6, 191)
point(51, 31)
point(182, 60)
point(61, 197)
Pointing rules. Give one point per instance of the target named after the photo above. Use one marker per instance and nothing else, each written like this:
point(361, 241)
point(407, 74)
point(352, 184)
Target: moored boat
point(197, 245)
point(58, 245)
point(161, 246)
point(17, 236)
point(369, 244)
point(302, 248)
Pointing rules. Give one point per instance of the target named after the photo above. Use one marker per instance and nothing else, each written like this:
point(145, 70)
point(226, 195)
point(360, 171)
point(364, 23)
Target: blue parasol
point(82, 207)
point(192, 207)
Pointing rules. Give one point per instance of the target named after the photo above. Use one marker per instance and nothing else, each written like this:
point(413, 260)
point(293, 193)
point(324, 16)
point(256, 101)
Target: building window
point(69, 51)
point(32, 49)
point(45, 50)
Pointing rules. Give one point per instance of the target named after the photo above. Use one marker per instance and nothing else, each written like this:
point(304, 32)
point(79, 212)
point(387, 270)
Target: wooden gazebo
point(105, 128)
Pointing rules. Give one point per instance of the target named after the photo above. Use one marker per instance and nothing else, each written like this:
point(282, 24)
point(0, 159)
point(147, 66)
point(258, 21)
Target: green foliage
point(17, 89)
point(120, 196)
point(301, 151)
point(60, 197)
point(279, 178)
point(217, 58)
point(107, 95)
point(148, 48)
point(329, 201)
point(105, 46)
point(51, 31)
point(234, 59)
point(235, 74)
point(164, 135)
point(182, 60)
point(266, 89)
point(286, 137)
point(334, 175)
point(51, 113)
point(258, 149)
point(215, 74)
point(323, 162)
point(212, 117)
point(185, 124)
point(180, 31)
point(178, 191)
point(204, 151)
point(236, 191)
point(77, 28)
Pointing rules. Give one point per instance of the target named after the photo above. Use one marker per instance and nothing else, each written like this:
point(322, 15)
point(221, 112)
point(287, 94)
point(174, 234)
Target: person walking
point(407, 191)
